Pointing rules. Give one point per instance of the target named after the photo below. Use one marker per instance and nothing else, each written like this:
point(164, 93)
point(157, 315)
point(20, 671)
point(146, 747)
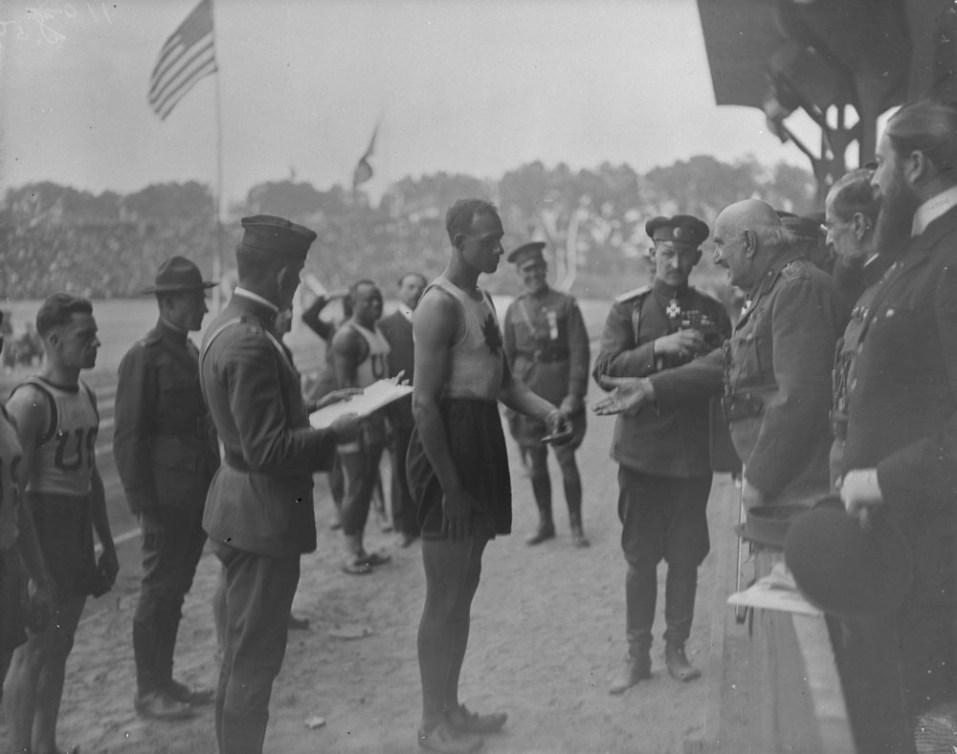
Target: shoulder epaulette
point(644, 290)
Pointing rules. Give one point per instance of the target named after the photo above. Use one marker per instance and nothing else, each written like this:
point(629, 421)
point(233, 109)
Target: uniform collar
point(774, 268)
point(171, 332)
point(405, 312)
point(244, 293)
point(933, 208)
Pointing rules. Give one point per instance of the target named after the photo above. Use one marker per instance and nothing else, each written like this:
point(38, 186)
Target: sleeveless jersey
point(375, 366)
point(477, 356)
point(65, 454)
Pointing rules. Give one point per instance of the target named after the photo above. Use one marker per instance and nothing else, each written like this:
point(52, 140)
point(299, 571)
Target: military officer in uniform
point(166, 454)
point(664, 469)
point(547, 346)
point(259, 510)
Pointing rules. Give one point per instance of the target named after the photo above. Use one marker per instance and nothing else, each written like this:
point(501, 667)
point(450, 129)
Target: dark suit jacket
point(397, 329)
point(261, 498)
point(163, 439)
point(902, 400)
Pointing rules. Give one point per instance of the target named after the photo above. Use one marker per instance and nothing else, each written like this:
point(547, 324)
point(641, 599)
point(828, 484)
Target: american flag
point(188, 55)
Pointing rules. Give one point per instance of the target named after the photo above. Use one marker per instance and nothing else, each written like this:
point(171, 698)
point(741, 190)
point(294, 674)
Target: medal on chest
point(673, 309)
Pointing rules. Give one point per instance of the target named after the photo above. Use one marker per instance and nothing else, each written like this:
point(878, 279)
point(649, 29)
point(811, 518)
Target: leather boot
point(578, 533)
point(144, 653)
point(166, 629)
point(635, 667)
point(678, 665)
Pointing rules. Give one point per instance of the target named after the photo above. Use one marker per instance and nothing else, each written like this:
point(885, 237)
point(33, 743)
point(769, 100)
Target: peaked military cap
point(271, 233)
point(178, 274)
point(680, 228)
point(527, 252)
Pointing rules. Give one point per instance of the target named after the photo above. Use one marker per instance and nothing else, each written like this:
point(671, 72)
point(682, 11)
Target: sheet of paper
point(372, 398)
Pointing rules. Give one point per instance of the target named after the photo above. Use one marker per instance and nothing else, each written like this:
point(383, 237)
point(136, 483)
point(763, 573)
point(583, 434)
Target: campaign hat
point(846, 569)
point(276, 234)
point(767, 525)
point(527, 252)
point(680, 229)
point(178, 274)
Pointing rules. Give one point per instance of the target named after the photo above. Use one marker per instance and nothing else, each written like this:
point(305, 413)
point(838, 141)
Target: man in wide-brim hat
point(166, 454)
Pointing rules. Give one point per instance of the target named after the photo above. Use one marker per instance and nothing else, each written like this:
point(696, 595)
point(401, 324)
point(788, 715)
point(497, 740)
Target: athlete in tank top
point(375, 366)
point(64, 460)
point(476, 360)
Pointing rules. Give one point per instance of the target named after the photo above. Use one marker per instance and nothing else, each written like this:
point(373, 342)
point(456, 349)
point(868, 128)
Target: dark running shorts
point(477, 447)
point(13, 585)
point(65, 531)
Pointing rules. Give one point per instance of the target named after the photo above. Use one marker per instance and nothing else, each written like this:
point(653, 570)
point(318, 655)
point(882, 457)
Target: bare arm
point(435, 325)
point(347, 352)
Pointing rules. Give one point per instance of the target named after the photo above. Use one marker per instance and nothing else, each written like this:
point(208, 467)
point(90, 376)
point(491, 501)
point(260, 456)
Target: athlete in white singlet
point(57, 420)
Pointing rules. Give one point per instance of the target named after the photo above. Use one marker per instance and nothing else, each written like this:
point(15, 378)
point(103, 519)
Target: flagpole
point(220, 234)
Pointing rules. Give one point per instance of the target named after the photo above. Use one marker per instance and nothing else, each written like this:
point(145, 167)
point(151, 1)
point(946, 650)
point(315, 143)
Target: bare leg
point(451, 575)
point(34, 685)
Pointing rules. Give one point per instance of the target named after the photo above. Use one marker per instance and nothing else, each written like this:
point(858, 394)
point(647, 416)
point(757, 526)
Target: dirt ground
point(547, 632)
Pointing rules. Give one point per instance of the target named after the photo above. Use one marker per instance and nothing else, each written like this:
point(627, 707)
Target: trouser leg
point(173, 545)
point(259, 594)
point(686, 545)
point(642, 537)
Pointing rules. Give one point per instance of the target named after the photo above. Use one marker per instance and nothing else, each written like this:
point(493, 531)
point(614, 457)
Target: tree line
point(55, 237)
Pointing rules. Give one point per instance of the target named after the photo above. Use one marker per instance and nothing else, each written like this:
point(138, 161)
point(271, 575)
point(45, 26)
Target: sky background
point(460, 86)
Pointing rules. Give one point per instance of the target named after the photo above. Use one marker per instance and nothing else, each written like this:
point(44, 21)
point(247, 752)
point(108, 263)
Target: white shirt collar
point(933, 208)
point(240, 291)
point(406, 312)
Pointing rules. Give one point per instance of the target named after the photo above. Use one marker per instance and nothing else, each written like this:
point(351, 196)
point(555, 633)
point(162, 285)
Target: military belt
point(741, 406)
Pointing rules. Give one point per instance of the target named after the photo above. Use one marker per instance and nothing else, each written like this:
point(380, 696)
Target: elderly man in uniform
point(397, 330)
point(259, 510)
point(547, 346)
point(664, 468)
point(900, 457)
point(166, 454)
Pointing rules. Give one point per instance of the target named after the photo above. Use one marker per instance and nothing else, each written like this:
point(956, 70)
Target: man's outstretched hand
point(627, 395)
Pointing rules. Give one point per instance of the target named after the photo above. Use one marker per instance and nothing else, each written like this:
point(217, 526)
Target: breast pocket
point(747, 362)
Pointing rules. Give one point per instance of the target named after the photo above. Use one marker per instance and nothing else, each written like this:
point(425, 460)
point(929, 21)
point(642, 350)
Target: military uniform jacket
point(397, 329)
point(260, 500)
point(163, 439)
point(847, 344)
point(902, 397)
point(547, 345)
point(778, 380)
point(667, 440)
